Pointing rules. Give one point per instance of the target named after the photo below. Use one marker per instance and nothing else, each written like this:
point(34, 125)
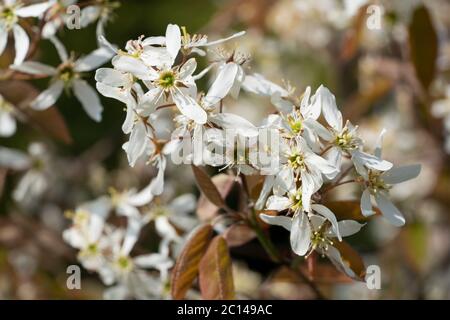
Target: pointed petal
point(232, 121)
point(7, 124)
point(89, 99)
point(390, 212)
point(281, 221)
point(366, 204)
point(300, 234)
point(34, 10)
point(62, 52)
point(33, 67)
point(401, 174)
point(22, 43)
point(93, 60)
point(48, 97)
point(173, 40)
point(349, 227)
point(329, 215)
point(3, 38)
point(189, 107)
point(278, 203)
point(221, 85)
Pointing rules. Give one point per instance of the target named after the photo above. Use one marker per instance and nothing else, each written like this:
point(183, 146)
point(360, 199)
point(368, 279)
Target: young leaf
point(238, 234)
point(351, 258)
point(349, 210)
point(215, 272)
point(207, 187)
point(423, 44)
point(186, 267)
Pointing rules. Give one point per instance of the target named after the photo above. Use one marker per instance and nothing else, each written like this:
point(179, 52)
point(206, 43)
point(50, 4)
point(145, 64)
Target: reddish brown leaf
point(50, 121)
point(238, 234)
point(353, 36)
point(349, 210)
point(207, 187)
point(423, 42)
point(186, 267)
point(215, 272)
point(351, 258)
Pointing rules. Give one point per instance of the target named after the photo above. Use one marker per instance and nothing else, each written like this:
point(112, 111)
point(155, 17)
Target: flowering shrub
point(283, 168)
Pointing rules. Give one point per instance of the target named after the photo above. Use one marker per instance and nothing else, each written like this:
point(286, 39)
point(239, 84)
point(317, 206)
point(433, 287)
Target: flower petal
point(281, 221)
point(221, 85)
point(329, 215)
point(173, 40)
point(300, 234)
point(48, 97)
point(89, 99)
point(242, 126)
point(366, 204)
point(189, 107)
point(22, 43)
point(34, 10)
point(93, 60)
point(390, 212)
point(401, 174)
point(33, 67)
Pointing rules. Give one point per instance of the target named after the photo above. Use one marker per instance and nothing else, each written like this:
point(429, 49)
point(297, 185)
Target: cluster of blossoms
point(311, 149)
point(107, 248)
point(313, 145)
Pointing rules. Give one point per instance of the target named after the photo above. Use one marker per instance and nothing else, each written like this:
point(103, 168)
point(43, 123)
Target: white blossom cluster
point(313, 151)
point(155, 73)
point(106, 248)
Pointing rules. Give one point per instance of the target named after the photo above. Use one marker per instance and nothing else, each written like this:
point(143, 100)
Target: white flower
point(316, 232)
point(7, 120)
point(10, 13)
point(299, 161)
point(378, 183)
point(121, 266)
point(342, 139)
point(175, 213)
point(56, 17)
point(35, 181)
point(86, 233)
point(68, 75)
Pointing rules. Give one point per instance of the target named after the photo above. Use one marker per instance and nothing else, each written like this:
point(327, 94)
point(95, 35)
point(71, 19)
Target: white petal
point(165, 229)
point(232, 121)
point(257, 84)
point(378, 146)
point(173, 40)
point(93, 60)
point(189, 107)
point(62, 52)
point(324, 100)
point(157, 185)
point(13, 159)
point(3, 38)
point(281, 221)
point(143, 197)
point(215, 42)
point(48, 97)
point(22, 43)
point(335, 256)
point(188, 68)
point(371, 161)
point(183, 204)
point(278, 203)
point(112, 92)
point(89, 99)
point(151, 260)
point(137, 143)
point(366, 204)
point(221, 85)
point(33, 67)
point(329, 215)
point(266, 189)
point(112, 77)
point(7, 124)
point(390, 212)
point(401, 174)
point(300, 234)
point(89, 15)
point(134, 66)
point(131, 236)
point(349, 227)
point(127, 125)
point(34, 10)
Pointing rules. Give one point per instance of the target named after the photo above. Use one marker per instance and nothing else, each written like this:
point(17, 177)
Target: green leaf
point(187, 265)
point(215, 272)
